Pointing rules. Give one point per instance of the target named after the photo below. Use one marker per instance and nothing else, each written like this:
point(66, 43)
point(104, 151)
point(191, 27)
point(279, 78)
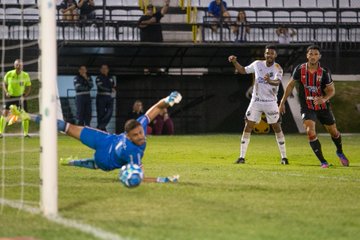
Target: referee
point(17, 87)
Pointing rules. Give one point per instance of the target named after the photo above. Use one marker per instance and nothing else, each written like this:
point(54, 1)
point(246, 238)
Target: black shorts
point(15, 101)
point(325, 117)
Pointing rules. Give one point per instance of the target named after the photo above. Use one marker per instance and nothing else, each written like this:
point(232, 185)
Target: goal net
point(28, 167)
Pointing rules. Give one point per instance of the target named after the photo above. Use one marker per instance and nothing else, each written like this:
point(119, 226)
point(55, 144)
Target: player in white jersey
point(268, 75)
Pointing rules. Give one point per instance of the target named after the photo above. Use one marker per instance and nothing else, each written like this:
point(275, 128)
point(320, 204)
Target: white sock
point(280, 139)
point(245, 140)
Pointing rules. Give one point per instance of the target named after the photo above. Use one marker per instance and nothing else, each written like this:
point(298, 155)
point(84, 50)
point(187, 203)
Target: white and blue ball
point(131, 175)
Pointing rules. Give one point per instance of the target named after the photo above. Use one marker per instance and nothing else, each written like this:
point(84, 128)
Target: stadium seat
point(291, 3)
point(241, 3)
point(257, 3)
point(330, 16)
point(348, 16)
point(134, 15)
point(308, 3)
point(315, 16)
point(344, 3)
point(205, 3)
point(354, 35)
point(298, 16)
point(200, 16)
point(9, 2)
point(13, 13)
point(275, 3)
point(29, 2)
point(355, 3)
point(194, 3)
point(264, 16)
point(31, 14)
point(130, 3)
point(325, 4)
point(100, 14)
point(119, 15)
point(343, 35)
point(281, 16)
point(115, 3)
point(250, 16)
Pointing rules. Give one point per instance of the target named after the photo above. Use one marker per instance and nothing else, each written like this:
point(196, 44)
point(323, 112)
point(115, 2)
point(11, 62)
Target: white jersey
point(263, 91)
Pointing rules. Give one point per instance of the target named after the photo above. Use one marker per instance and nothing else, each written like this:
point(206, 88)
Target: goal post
point(48, 108)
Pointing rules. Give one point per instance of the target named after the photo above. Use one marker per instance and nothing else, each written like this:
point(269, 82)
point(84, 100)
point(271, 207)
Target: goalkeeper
point(113, 151)
point(17, 86)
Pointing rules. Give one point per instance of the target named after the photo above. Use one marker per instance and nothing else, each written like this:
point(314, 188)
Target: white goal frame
point(48, 108)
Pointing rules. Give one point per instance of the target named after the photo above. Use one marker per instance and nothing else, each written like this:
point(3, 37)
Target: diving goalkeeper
point(113, 151)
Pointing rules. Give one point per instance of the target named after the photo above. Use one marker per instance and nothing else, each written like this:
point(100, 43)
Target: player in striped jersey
point(315, 90)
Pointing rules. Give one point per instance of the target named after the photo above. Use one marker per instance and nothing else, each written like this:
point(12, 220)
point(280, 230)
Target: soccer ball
point(131, 175)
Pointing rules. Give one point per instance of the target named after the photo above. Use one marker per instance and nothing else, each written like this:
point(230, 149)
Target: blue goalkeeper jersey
point(114, 151)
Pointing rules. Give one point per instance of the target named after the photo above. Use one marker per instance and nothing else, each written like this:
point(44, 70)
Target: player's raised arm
point(287, 93)
point(233, 60)
point(174, 97)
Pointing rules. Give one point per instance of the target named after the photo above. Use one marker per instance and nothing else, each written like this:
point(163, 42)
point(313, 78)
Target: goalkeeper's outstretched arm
point(169, 101)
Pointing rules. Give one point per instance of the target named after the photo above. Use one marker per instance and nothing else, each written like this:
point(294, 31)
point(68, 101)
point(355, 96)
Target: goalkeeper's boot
point(284, 161)
point(171, 179)
point(343, 159)
point(240, 160)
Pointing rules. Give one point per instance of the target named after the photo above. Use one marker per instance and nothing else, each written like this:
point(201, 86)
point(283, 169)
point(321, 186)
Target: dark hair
point(131, 124)
point(313, 47)
point(270, 46)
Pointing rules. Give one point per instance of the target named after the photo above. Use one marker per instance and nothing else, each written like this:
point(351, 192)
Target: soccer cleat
point(343, 159)
point(1, 135)
point(27, 136)
point(16, 114)
point(284, 161)
point(66, 161)
point(324, 165)
point(171, 179)
point(240, 161)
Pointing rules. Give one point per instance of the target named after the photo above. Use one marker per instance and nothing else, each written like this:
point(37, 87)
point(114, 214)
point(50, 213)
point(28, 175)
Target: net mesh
point(20, 156)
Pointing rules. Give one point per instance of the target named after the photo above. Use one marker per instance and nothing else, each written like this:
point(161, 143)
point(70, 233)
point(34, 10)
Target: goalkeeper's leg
point(84, 163)
point(25, 125)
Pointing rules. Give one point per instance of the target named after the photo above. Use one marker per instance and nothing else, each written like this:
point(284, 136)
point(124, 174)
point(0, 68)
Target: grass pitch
point(215, 199)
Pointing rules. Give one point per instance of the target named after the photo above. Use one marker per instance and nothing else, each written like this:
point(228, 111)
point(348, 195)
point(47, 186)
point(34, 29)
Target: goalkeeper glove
point(16, 114)
point(174, 97)
point(172, 179)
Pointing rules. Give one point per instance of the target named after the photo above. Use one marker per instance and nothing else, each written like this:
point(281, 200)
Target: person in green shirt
point(16, 87)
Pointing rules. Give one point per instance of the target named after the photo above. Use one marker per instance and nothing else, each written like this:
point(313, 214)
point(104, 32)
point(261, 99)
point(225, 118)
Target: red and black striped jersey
point(311, 85)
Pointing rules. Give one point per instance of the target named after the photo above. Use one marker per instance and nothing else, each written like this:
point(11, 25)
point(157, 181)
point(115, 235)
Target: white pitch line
point(82, 227)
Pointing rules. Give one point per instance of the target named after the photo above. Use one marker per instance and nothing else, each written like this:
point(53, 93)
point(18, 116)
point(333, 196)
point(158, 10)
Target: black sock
point(338, 143)
point(316, 147)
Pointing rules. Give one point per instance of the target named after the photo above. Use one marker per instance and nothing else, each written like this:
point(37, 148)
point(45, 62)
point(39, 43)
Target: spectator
point(68, 10)
point(87, 9)
point(163, 124)
point(218, 10)
point(285, 34)
point(149, 24)
point(137, 110)
point(83, 84)
point(104, 101)
point(241, 29)
point(16, 88)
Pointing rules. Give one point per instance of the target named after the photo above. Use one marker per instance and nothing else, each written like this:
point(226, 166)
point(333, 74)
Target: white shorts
point(255, 110)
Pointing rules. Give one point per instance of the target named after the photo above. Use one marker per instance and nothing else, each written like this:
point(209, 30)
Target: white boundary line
point(82, 227)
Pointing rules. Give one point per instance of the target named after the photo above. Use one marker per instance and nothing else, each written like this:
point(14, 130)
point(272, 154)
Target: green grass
point(215, 199)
